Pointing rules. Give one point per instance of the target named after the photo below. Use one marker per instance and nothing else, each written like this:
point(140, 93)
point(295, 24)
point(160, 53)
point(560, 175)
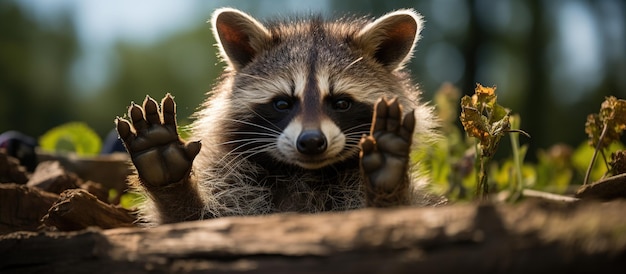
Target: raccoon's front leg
point(163, 161)
point(385, 155)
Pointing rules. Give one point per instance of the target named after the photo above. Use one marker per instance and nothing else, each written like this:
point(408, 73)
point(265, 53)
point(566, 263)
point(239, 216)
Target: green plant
point(128, 200)
point(71, 137)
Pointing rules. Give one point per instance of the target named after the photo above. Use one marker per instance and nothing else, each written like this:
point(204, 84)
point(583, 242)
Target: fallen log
point(527, 238)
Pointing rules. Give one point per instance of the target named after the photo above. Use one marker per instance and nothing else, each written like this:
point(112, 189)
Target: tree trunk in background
point(538, 100)
point(475, 36)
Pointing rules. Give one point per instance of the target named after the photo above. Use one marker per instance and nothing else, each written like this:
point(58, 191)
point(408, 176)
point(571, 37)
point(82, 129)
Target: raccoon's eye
point(342, 104)
point(282, 105)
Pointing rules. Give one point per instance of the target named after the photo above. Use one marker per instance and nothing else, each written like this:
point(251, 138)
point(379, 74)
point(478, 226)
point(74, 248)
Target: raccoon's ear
point(391, 38)
point(239, 36)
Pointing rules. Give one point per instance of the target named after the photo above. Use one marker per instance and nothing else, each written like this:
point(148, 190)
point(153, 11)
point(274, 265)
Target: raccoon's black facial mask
point(282, 131)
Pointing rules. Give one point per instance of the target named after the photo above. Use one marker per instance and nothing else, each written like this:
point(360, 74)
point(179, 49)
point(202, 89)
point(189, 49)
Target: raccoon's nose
point(311, 142)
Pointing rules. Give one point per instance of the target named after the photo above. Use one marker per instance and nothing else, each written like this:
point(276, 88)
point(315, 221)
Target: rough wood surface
point(609, 188)
point(96, 189)
point(22, 207)
point(110, 170)
point(10, 169)
point(528, 238)
point(78, 209)
point(52, 177)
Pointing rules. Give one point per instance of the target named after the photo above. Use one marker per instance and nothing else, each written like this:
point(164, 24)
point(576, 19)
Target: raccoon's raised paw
point(385, 152)
point(151, 139)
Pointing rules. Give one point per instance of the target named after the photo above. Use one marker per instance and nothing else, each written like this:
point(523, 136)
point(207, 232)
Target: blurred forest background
point(552, 61)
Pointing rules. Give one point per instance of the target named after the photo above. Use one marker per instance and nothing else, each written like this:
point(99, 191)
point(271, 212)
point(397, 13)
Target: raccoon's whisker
point(356, 137)
point(256, 133)
point(255, 125)
point(277, 131)
point(251, 135)
point(351, 64)
point(357, 133)
point(353, 141)
point(249, 141)
point(254, 76)
point(233, 163)
point(355, 145)
point(354, 131)
point(244, 142)
point(262, 117)
point(234, 151)
point(264, 143)
point(364, 126)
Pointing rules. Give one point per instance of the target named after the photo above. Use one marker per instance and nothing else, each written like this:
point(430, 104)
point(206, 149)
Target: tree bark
point(528, 238)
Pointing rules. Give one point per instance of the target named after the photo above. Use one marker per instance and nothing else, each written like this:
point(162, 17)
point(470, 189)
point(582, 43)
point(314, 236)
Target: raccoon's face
point(303, 93)
point(307, 113)
point(315, 124)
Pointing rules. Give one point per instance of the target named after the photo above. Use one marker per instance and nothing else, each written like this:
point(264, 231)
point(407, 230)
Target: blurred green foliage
point(452, 161)
point(75, 137)
point(128, 200)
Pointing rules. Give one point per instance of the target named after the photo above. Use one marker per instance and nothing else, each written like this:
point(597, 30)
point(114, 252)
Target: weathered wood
point(22, 207)
point(10, 169)
point(110, 170)
point(52, 177)
point(96, 189)
point(609, 188)
point(78, 209)
point(528, 238)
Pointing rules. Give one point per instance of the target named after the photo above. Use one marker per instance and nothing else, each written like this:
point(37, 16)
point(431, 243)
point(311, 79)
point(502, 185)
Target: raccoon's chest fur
point(329, 189)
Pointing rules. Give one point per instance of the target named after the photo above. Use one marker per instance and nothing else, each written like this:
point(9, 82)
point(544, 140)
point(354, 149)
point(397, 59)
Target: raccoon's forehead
point(304, 52)
point(308, 25)
point(296, 80)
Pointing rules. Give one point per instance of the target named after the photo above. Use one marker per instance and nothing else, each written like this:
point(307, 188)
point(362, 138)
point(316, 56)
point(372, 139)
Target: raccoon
point(309, 115)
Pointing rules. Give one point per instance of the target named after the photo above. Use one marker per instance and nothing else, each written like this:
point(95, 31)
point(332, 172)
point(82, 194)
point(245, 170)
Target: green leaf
point(131, 200)
point(499, 113)
point(71, 137)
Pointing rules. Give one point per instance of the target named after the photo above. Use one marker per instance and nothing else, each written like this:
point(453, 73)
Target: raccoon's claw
point(385, 152)
point(151, 139)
